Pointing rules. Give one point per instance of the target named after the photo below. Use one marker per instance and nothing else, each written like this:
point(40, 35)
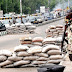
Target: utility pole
point(21, 10)
point(6, 5)
point(63, 7)
point(21, 6)
point(49, 7)
point(68, 3)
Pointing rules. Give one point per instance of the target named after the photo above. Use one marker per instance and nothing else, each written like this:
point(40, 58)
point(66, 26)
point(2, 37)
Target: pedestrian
point(10, 23)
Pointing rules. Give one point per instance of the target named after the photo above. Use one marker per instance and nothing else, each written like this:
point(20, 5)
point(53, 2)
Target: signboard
point(42, 9)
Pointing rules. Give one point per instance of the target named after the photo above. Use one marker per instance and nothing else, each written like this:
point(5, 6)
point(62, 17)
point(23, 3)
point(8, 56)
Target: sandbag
point(50, 47)
point(23, 53)
point(59, 39)
point(15, 58)
point(22, 62)
point(7, 62)
point(38, 62)
point(20, 48)
point(35, 49)
point(55, 57)
point(37, 43)
point(41, 54)
point(54, 52)
point(31, 58)
point(42, 59)
point(50, 39)
point(52, 30)
point(37, 39)
point(9, 66)
point(25, 40)
point(3, 58)
point(55, 61)
point(59, 26)
point(52, 27)
point(5, 52)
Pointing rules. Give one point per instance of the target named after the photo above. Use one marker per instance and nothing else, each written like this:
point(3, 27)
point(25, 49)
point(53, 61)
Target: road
point(10, 41)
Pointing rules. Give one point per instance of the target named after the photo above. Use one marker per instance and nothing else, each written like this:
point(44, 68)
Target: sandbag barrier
point(33, 52)
point(17, 29)
point(30, 56)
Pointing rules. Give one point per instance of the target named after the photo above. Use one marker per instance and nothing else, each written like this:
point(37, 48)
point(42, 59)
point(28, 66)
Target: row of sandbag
point(55, 31)
point(40, 41)
point(15, 29)
point(33, 56)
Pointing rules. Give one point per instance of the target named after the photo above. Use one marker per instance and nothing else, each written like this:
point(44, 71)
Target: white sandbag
point(59, 26)
point(37, 39)
point(54, 61)
point(31, 58)
point(38, 62)
point(41, 54)
point(50, 39)
point(31, 27)
point(3, 58)
point(50, 47)
point(9, 66)
point(42, 59)
point(52, 27)
point(5, 52)
point(23, 53)
point(53, 43)
point(35, 49)
point(59, 39)
point(37, 43)
point(7, 62)
point(52, 30)
point(54, 52)
point(22, 62)
point(20, 48)
point(55, 57)
point(15, 58)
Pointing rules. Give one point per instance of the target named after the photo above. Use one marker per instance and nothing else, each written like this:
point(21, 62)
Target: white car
point(39, 19)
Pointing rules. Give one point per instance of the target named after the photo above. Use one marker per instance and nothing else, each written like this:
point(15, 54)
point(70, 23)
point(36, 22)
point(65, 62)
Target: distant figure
point(10, 23)
point(35, 19)
point(69, 15)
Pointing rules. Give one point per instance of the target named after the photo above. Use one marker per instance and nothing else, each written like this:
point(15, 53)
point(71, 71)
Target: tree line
point(28, 6)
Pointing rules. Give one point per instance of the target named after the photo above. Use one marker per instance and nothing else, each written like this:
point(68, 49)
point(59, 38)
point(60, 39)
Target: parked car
point(2, 27)
point(33, 20)
point(39, 19)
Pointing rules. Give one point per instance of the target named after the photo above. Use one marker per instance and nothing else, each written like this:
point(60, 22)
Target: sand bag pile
point(24, 56)
point(55, 41)
point(55, 31)
point(20, 28)
point(16, 28)
point(54, 53)
point(4, 54)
